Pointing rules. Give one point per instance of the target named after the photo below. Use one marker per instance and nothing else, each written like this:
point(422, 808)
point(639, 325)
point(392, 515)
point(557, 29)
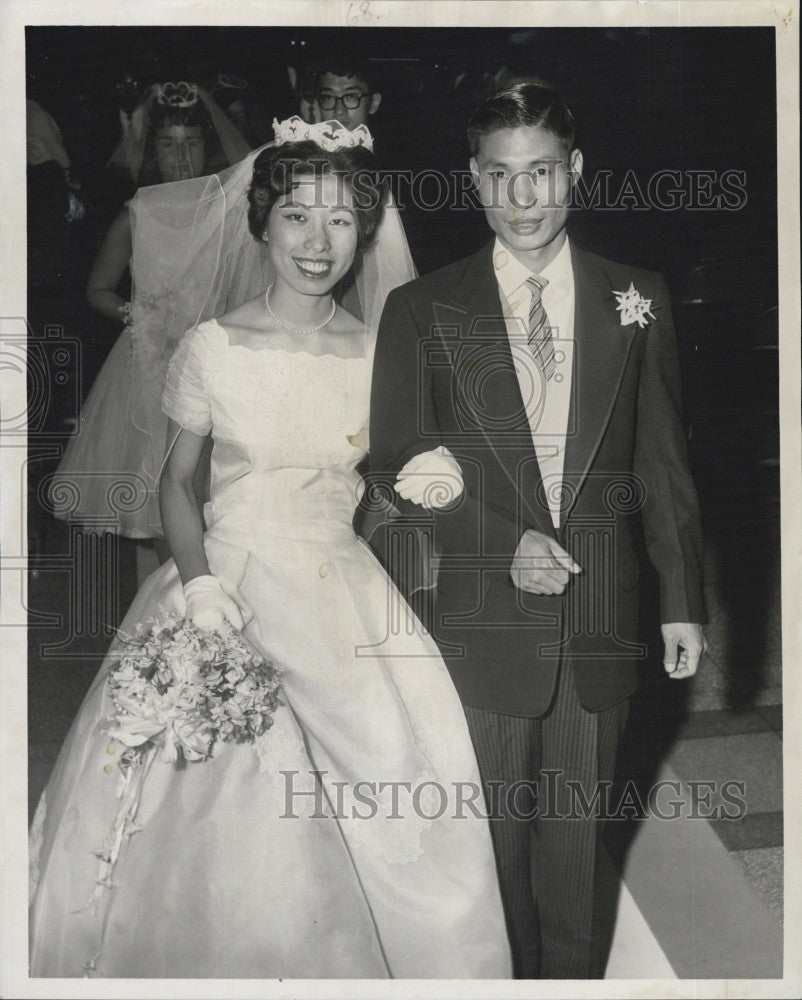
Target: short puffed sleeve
point(185, 398)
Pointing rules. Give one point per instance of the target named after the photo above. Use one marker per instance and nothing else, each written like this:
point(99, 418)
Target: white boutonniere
point(633, 307)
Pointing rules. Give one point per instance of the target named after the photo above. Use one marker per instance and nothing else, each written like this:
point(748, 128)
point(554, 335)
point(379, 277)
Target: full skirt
point(347, 844)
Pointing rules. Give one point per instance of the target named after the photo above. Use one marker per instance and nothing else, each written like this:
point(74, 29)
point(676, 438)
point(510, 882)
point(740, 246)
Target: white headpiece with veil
point(194, 258)
point(130, 150)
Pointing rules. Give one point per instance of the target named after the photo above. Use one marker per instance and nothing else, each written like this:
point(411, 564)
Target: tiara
point(328, 135)
point(177, 95)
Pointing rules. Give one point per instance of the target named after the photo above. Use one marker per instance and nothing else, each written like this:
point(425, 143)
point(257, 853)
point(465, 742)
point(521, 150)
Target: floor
point(708, 891)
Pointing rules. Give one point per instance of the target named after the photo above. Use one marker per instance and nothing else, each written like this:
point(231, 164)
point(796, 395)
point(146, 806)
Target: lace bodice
point(289, 429)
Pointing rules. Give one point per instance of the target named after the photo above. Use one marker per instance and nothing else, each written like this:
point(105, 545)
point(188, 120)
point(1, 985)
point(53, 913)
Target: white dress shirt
point(547, 403)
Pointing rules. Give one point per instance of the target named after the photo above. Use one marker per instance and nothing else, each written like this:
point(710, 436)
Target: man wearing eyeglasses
point(341, 90)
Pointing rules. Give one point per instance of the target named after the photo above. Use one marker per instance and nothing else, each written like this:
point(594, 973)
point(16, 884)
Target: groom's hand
point(685, 642)
point(540, 565)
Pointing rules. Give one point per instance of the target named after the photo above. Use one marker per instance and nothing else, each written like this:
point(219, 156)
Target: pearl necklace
point(300, 329)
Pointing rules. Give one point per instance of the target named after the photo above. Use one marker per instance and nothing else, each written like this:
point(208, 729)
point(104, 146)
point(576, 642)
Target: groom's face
point(524, 177)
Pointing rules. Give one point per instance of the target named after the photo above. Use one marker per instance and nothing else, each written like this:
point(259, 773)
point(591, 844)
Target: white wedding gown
point(239, 868)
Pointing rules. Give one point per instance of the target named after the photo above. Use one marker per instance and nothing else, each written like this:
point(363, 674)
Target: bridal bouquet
point(183, 689)
point(179, 691)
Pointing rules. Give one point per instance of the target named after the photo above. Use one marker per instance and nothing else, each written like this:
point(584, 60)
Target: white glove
point(432, 479)
point(208, 604)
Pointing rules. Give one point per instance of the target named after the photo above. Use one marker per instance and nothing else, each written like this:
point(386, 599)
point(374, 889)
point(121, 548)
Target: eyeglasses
point(328, 102)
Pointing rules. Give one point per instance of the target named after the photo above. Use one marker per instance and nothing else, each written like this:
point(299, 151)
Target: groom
point(539, 384)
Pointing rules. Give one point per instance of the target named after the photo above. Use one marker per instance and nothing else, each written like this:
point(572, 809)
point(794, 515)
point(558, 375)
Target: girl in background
point(104, 480)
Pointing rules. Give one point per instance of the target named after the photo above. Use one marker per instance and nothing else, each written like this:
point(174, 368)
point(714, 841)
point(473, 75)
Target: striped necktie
point(540, 339)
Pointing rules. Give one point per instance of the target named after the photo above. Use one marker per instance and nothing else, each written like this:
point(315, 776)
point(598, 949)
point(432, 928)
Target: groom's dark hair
point(522, 105)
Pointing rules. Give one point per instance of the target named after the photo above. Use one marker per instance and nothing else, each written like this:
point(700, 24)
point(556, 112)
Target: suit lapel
point(498, 409)
point(601, 350)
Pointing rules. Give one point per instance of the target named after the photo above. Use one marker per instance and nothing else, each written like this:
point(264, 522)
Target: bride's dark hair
point(278, 169)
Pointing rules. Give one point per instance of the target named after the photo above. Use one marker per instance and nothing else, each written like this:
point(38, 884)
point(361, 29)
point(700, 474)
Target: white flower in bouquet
point(183, 688)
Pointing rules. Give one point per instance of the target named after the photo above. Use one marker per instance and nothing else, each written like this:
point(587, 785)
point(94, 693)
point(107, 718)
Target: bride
point(344, 843)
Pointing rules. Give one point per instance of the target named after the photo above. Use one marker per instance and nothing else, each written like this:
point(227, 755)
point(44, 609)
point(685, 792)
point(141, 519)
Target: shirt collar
point(511, 273)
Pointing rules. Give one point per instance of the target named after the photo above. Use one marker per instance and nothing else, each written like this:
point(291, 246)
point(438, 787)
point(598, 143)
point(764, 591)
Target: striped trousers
point(547, 863)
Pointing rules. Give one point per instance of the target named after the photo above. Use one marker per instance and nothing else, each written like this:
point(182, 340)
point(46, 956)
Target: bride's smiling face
point(312, 234)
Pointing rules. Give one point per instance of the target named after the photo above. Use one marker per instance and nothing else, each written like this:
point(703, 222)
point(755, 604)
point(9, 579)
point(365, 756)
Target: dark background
point(645, 100)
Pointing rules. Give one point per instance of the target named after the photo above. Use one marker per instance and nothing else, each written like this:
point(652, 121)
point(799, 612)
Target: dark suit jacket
point(443, 374)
